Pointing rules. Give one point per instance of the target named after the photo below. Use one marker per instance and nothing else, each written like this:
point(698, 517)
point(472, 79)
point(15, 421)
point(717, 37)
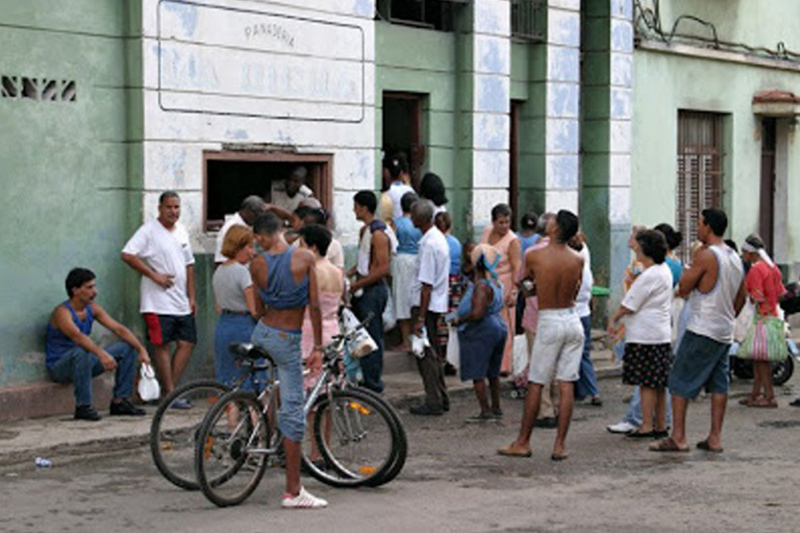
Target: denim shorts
point(700, 362)
point(284, 348)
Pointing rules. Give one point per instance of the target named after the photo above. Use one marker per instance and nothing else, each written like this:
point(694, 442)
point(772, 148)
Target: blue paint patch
point(621, 36)
point(568, 32)
point(491, 60)
point(187, 14)
point(622, 8)
point(192, 69)
point(239, 135)
point(364, 8)
point(565, 138)
point(564, 64)
point(563, 172)
point(493, 95)
point(620, 103)
point(563, 101)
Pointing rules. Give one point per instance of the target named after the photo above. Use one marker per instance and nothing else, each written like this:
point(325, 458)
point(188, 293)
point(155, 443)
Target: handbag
point(149, 389)
point(453, 346)
point(765, 340)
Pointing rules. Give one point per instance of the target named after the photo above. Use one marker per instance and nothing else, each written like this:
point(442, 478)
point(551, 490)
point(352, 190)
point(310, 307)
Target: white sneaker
point(622, 427)
point(304, 500)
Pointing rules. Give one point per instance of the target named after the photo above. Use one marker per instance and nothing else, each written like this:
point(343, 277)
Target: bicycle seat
point(247, 350)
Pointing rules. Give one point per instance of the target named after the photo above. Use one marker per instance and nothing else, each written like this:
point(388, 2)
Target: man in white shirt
point(292, 191)
point(252, 206)
point(429, 294)
point(161, 252)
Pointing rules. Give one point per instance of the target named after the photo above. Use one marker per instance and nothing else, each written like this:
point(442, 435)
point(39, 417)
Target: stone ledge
point(43, 399)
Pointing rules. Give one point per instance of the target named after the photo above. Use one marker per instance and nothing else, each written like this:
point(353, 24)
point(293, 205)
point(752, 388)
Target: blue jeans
point(634, 414)
point(284, 348)
point(373, 301)
point(79, 367)
point(587, 383)
point(231, 328)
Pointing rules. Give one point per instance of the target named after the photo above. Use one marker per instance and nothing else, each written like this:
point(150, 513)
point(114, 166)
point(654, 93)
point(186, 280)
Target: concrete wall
point(669, 79)
point(65, 185)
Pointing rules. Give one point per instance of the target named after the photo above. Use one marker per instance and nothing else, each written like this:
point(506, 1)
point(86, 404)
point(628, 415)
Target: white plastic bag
point(453, 348)
point(360, 343)
point(389, 316)
point(519, 364)
point(744, 321)
point(149, 389)
point(419, 342)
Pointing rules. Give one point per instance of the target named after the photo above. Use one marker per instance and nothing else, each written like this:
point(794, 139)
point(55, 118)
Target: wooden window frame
point(320, 176)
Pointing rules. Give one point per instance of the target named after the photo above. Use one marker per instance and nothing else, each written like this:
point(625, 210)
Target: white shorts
point(558, 347)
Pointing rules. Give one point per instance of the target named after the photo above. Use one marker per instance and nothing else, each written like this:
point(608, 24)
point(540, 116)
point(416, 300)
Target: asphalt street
point(454, 481)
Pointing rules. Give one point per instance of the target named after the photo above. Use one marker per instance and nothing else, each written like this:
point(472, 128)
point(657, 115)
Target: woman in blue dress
point(482, 332)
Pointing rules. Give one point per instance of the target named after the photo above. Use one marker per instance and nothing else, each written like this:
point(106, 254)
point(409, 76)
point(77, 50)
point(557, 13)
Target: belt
point(235, 313)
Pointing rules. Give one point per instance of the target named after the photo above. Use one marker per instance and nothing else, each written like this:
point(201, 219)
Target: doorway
point(766, 205)
point(402, 130)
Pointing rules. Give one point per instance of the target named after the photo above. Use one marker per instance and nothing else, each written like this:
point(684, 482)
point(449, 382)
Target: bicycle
point(359, 437)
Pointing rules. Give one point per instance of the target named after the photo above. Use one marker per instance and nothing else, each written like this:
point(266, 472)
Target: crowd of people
point(280, 280)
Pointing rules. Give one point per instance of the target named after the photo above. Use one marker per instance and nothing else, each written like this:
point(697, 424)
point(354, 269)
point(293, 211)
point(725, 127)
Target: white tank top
point(712, 313)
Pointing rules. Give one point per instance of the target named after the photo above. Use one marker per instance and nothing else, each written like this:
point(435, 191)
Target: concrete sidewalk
point(60, 437)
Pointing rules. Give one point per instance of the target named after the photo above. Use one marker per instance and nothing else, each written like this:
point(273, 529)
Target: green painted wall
point(65, 176)
point(425, 61)
point(666, 83)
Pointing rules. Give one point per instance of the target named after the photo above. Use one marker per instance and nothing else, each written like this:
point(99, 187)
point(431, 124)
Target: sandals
point(764, 403)
point(667, 445)
point(508, 451)
point(705, 446)
point(560, 456)
point(638, 435)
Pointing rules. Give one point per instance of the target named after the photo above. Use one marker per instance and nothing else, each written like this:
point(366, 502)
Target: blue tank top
point(407, 236)
point(455, 255)
point(527, 242)
point(57, 344)
point(494, 308)
point(282, 292)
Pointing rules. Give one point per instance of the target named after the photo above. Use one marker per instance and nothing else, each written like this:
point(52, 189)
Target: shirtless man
point(556, 271)
point(286, 280)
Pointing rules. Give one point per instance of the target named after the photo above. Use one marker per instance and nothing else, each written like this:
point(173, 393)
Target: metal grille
point(433, 14)
point(700, 174)
point(528, 20)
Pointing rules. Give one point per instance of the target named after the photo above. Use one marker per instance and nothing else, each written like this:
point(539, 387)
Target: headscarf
point(486, 255)
point(754, 245)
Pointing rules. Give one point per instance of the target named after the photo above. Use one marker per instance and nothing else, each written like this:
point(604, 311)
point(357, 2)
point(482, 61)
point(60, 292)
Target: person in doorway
point(556, 271)
point(715, 287)
point(505, 241)
point(71, 356)
point(161, 253)
point(286, 282)
point(235, 302)
point(482, 333)
point(404, 268)
point(647, 309)
point(369, 289)
point(400, 182)
point(252, 206)
point(764, 287)
point(586, 386)
point(429, 298)
point(432, 188)
point(294, 190)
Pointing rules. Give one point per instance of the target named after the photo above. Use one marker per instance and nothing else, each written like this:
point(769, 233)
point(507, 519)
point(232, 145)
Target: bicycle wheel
point(233, 445)
point(356, 437)
point(401, 444)
point(173, 431)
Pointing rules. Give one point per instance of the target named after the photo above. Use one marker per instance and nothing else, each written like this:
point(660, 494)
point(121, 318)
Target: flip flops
point(705, 446)
point(561, 456)
point(667, 445)
point(508, 451)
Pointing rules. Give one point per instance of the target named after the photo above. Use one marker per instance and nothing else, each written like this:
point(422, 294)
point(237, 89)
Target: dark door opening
point(229, 177)
point(766, 207)
point(402, 130)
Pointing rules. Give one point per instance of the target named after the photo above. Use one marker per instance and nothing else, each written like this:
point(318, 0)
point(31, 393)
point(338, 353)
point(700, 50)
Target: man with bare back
point(556, 271)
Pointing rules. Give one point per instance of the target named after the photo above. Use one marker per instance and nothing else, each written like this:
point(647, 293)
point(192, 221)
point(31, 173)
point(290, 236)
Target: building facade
point(544, 104)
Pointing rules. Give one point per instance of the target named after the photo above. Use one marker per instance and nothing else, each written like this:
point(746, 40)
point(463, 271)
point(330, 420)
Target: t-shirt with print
point(229, 283)
point(433, 261)
point(166, 252)
point(650, 299)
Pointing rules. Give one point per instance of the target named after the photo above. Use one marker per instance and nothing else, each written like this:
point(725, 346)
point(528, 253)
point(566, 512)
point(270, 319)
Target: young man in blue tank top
point(73, 357)
point(286, 282)
point(714, 285)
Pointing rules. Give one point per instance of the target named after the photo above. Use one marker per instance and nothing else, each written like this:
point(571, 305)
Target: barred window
point(528, 20)
point(433, 14)
point(700, 173)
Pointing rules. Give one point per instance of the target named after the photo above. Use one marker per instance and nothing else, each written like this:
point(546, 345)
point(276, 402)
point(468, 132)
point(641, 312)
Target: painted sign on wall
point(229, 61)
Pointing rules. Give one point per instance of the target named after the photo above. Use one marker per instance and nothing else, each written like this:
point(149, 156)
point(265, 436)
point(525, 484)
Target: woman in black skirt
point(647, 308)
